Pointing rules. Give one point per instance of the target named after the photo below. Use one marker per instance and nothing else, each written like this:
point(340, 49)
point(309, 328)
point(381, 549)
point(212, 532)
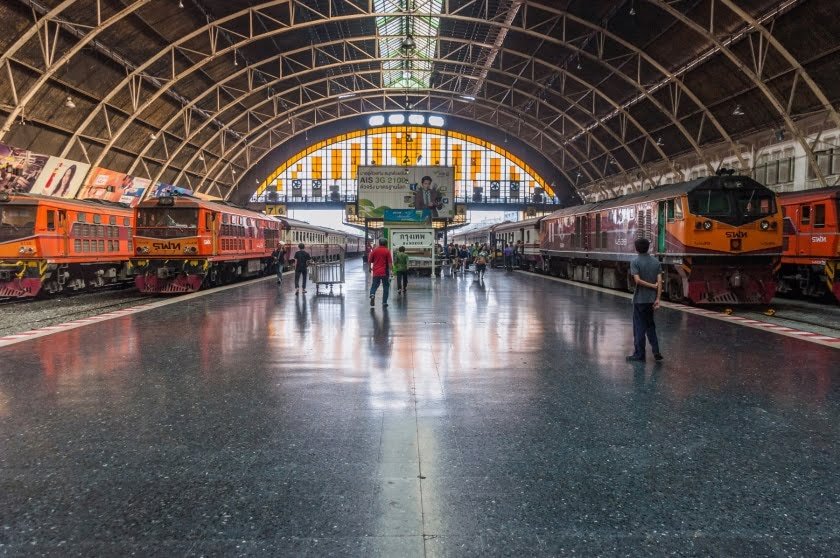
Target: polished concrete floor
point(465, 420)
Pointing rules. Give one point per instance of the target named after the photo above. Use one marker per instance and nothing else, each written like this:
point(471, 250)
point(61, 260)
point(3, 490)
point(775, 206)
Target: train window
point(710, 202)
point(805, 218)
point(86, 246)
point(97, 218)
point(126, 222)
point(224, 218)
point(100, 231)
point(50, 220)
point(112, 219)
point(77, 245)
point(678, 212)
point(101, 245)
point(81, 217)
point(670, 206)
point(819, 215)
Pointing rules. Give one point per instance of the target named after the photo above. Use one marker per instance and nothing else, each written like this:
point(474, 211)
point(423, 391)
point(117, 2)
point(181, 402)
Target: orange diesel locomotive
point(183, 243)
point(51, 244)
point(811, 254)
point(719, 239)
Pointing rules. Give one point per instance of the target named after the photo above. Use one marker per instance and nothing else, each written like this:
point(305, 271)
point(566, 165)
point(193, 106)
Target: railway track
point(23, 315)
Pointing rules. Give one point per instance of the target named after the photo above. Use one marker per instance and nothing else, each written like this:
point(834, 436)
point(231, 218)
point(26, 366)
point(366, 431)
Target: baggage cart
point(328, 273)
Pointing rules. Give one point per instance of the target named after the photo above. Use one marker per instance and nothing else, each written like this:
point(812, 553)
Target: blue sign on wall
point(407, 216)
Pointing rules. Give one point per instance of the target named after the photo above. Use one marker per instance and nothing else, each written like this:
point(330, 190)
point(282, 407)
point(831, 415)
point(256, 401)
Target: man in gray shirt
point(647, 274)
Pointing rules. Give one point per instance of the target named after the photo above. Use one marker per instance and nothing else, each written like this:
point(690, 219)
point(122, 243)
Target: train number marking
point(738, 234)
point(166, 245)
point(819, 239)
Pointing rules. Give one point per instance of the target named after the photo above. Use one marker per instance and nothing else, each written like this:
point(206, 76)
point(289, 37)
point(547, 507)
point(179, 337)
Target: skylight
point(407, 68)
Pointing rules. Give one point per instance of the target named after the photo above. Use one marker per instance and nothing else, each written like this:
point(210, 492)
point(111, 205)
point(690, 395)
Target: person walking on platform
point(401, 270)
point(464, 256)
point(647, 274)
point(301, 260)
point(481, 264)
point(380, 265)
point(279, 257)
point(508, 253)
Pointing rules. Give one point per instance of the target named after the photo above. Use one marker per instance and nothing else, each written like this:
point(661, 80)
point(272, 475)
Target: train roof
point(22, 198)
point(192, 201)
point(662, 193)
point(827, 192)
point(529, 222)
point(309, 226)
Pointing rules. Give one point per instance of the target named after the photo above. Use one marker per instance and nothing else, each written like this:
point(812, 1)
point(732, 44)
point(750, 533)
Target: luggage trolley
point(330, 271)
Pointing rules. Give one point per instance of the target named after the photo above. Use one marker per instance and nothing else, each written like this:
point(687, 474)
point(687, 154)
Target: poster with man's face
point(392, 187)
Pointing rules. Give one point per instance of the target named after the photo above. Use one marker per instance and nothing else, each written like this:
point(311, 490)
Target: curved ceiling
point(201, 92)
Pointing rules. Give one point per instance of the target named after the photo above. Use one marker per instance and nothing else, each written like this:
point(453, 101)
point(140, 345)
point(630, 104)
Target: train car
point(811, 256)
point(480, 234)
point(719, 239)
point(183, 243)
point(526, 235)
point(322, 243)
point(49, 245)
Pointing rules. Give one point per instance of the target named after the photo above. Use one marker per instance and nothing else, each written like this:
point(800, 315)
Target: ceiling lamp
point(659, 141)
point(408, 43)
point(780, 134)
point(738, 111)
point(69, 103)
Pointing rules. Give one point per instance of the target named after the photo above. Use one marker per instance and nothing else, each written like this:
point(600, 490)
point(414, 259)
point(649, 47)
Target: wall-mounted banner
point(390, 187)
point(19, 168)
point(61, 178)
point(104, 184)
point(162, 189)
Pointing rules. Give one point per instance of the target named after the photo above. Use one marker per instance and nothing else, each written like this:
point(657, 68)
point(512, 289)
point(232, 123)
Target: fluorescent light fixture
point(396, 119)
point(436, 121)
point(376, 120)
point(468, 97)
point(346, 95)
point(416, 119)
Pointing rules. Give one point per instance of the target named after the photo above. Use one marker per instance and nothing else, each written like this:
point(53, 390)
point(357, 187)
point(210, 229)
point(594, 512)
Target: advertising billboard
point(163, 189)
point(19, 168)
point(61, 178)
point(391, 187)
point(104, 184)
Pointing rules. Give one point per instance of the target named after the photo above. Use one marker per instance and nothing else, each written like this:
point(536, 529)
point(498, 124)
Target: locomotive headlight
point(765, 225)
point(142, 250)
point(190, 250)
point(707, 225)
point(26, 250)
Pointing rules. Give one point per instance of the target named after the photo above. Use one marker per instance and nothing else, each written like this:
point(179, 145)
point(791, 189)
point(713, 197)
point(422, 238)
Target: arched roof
point(198, 92)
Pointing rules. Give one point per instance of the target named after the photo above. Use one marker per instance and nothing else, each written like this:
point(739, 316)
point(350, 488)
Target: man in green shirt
point(401, 269)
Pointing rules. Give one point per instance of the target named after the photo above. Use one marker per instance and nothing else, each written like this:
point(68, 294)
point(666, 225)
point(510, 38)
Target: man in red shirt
point(380, 264)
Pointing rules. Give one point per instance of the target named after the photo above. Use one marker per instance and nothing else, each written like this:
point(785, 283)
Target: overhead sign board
point(407, 216)
point(278, 209)
point(419, 188)
point(412, 238)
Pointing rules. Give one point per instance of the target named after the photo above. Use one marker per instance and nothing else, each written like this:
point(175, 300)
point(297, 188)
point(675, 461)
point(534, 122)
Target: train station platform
point(466, 419)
